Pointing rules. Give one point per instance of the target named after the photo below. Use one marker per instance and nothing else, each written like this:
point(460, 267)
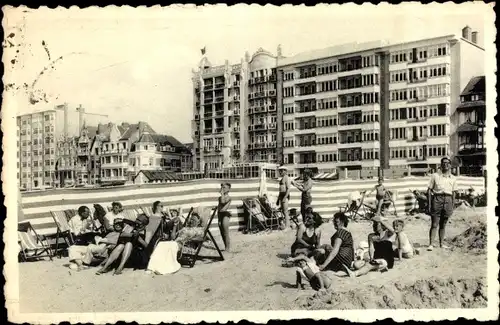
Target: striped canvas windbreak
point(328, 196)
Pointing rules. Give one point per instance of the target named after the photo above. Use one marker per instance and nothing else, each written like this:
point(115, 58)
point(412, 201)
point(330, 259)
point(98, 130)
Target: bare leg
point(127, 250)
point(224, 231)
point(371, 247)
point(112, 258)
point(362, 271)
point(433, 230)
point(379, 206)
point(284, 208)
point(442, 230)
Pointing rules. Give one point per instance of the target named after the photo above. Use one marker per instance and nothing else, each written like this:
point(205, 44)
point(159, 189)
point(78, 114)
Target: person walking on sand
point(305, 188)
point(224, 214)
point(284, 194)
point(441, 198)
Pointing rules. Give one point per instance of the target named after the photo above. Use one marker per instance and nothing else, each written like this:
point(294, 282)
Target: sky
point(136, 64)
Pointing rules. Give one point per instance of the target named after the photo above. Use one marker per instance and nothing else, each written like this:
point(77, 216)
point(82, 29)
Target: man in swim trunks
point(284, 194)
point(305, 188)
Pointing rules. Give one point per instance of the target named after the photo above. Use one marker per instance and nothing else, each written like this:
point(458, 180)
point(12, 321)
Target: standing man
point(284, 194)
point(441, 198)
point(305, 188)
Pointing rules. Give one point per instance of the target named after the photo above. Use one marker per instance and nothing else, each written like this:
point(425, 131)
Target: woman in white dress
point(164, 257)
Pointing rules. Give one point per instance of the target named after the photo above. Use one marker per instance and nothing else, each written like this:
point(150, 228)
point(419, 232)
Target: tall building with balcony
point(235, 114)
point(470, 116)
point(37, 137)
point(371, 105)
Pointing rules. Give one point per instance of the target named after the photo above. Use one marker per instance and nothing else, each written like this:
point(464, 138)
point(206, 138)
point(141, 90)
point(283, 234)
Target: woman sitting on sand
point(341, 251)
point(380, 251)
point(132, 236)
point(164, 257)
point(308, 234)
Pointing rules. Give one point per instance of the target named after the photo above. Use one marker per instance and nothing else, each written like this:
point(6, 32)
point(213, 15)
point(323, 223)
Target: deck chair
point(32, 245)
point(190, 251)
point(421, 203)
point(355, 207)
point(153, 233)
point(255, 218)
point(63, 230)
point(388, 201)
point(274, 215)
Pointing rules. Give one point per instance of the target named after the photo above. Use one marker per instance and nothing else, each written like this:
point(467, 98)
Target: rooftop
point(477, 85)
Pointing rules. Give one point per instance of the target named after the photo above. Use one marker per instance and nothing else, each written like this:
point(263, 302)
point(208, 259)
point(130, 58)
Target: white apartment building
point(37, 136)
point(235, 112)
point(371, 105)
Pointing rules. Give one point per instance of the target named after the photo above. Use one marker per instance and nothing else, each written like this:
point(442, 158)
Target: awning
point(467, 127)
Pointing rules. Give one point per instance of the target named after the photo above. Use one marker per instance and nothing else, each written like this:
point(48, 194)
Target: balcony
point(272, 108)
point(207, 149)
point(236, 128)
point(83, 152)
point(418, 139)
point(236, 84)
point(208, 100)
point(114, 151)
point(471, 147)
point(236, 147)
point(271, 93)
point(208, 131)
point(272, 126)
point(236, 98)
point(219, 130)
point(219, 99)
point(219, 113)
point(116, 164)
point(271, 145)
point(417, 80)
point(219, 85)
point(307, 74)
point(272, 78)
point(260, 94)
point(208, 87)
point(417, 100)
point(260, 109)
point(258, 80)
point(208, 114)
point(236, 112)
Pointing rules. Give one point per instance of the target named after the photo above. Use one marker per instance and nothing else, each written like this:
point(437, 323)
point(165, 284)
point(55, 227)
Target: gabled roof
point(141, 127)
point(163, 139)
point(476, 85)
point(146, 138)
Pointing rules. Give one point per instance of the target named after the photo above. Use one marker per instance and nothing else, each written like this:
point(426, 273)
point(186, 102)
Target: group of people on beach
point(320, 263)
point(105, 238)
point(108, 237)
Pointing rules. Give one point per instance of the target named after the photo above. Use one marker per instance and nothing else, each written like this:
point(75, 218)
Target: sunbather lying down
point(164, 257)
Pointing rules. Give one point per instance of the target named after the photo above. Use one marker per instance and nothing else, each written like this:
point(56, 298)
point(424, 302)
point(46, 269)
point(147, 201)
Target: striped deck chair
point(63, 229)
point(32, 245)
point(191, 250)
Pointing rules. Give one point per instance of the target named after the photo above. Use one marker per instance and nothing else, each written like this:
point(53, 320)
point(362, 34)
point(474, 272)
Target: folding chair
point(274, 216)
point(387, 202)
point(63, 229)
point(353, 207)
point(190, 251)
point(32, 243)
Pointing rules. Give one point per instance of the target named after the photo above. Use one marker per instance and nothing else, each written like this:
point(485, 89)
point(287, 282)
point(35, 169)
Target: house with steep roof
point(471, 121)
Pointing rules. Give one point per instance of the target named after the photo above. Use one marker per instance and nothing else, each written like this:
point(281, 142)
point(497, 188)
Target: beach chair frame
point(274, 217)
point(388, 201)
point(190, 259)
point(254, 216)
point(63, 230)
point(32, 242)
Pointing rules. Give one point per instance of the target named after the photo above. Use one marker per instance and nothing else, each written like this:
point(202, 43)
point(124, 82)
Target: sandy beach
point(252, 278)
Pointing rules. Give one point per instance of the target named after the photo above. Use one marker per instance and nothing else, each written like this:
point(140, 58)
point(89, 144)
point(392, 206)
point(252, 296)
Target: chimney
point(466, 33)
point(474, 37)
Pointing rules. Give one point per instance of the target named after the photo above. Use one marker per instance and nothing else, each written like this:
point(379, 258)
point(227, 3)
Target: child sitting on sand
point(307, 268)
point(404, 247)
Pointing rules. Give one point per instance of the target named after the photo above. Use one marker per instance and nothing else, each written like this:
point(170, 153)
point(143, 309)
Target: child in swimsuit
point(380, 194)
point(308, 269)
point(404, 247)
point(224, 214)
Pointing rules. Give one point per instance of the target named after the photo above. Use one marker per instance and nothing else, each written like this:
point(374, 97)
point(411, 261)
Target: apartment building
point(470, 116)
point(235, 113)
point(37, 134)
point(370, 105)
